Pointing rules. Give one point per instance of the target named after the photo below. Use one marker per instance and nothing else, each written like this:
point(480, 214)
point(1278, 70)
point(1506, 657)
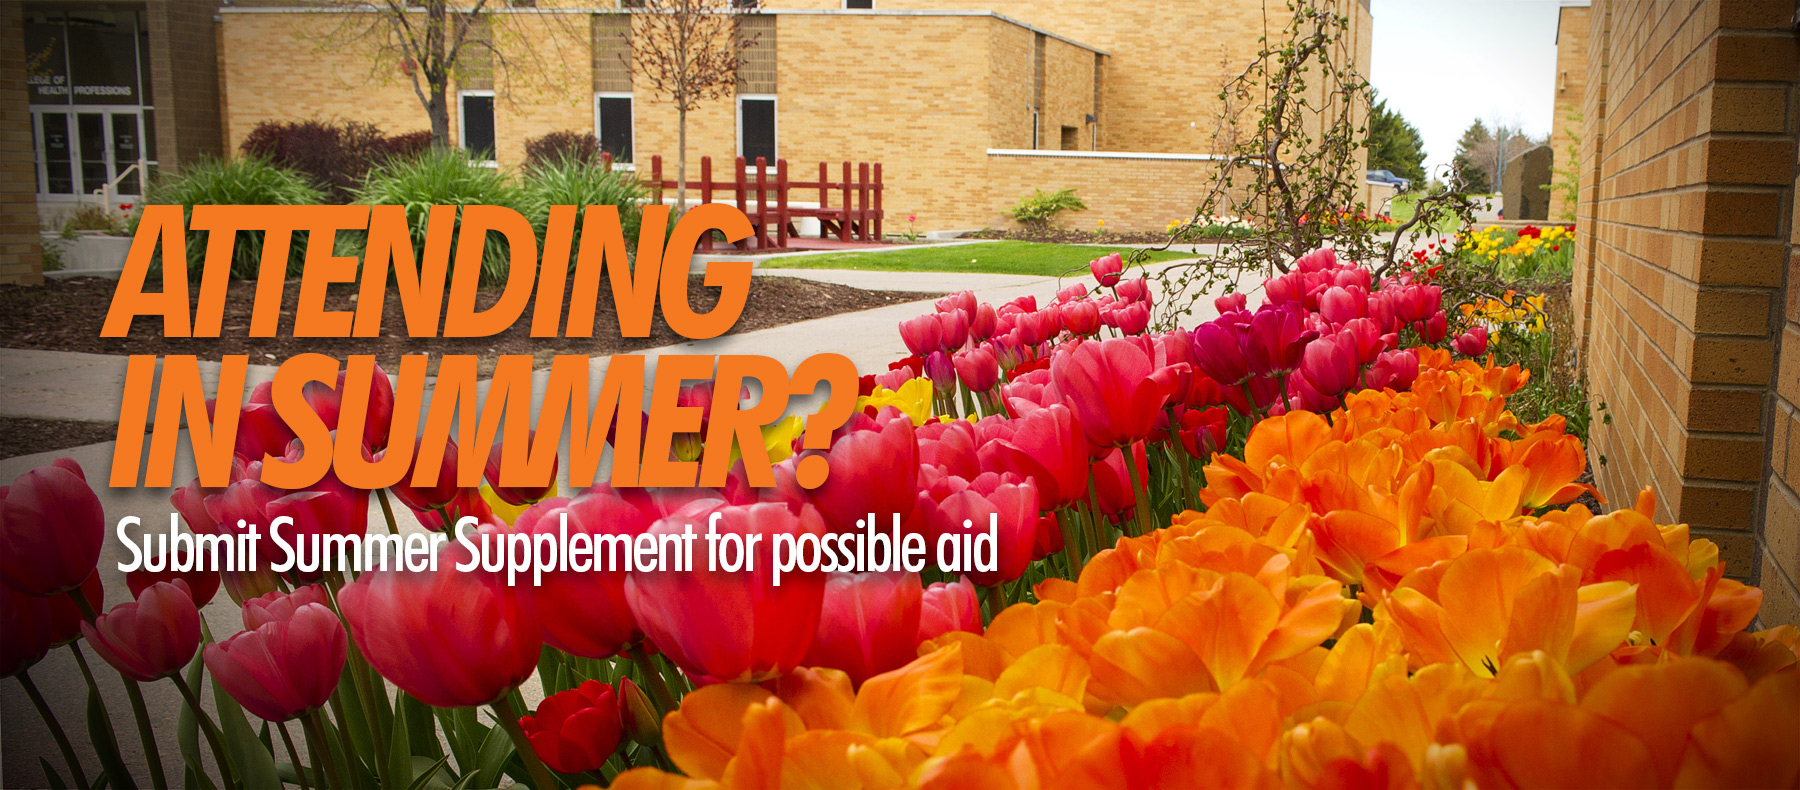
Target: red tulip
point(66, 617)
point(1071, 292)
point(977, 368)
point(152, 637)
point(284, 667)
point(950, 446)
point(949, 607)
point(190, 502)
point(1339, 304)
point(435, 495)
point(1395, 369)
point(868, 623)
point(1275, 340)
point(328, 403)
point(1081, 318)
point(922, 335)
point(955, 326)
point(1434, 328)
point(450, 638)
point(201, 584)
point(1367, 336)
point(1113, 389)
point(27, 623)
point(1202, 431)
point(732, 626)
point(1007, 501)
point(1219, 350)
point(277, 606)
point(1112, 483)
point(1107, 268)
point(51, 528)
point(524, 495)
point(575, 731)
point(1048, 539)
point(261, 431)
point(1038, 326)
point(872, 471)
point(585, 613)
point(984, 324)
point(1472, 343)
point(1044, 445)
point(1136, 289)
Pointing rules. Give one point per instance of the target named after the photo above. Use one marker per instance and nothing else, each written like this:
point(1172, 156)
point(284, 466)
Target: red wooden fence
point(765, 200)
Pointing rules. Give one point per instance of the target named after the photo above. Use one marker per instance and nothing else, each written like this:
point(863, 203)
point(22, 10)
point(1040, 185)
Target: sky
point(1444, 63)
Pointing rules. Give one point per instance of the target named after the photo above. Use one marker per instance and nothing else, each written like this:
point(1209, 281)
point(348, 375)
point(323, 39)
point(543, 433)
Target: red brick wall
point(1685, 240)
point(21, 259)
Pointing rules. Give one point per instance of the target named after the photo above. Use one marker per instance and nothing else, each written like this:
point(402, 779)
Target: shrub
point(1040, 208)
point(335, 155)
point(570, 146)
point(238, 182)
point(92, 217)
point(447, 178)
point(565, 182)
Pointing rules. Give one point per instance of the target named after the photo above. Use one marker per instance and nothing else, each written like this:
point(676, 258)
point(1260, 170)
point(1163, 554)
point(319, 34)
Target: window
point(1071, 138)
point(476, 120)
point(756, 129)
point(612, 124)
point(859, 4)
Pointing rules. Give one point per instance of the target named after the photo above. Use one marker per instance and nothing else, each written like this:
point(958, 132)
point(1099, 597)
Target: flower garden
point(1303, 544)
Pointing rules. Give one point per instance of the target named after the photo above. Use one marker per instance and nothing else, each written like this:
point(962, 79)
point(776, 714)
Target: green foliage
point(1464, 163)
point(568, 182)
point(92, 217)
point(1395, 145)
point(1566, 178)
point(246, 181)
point(997, 257)
point(1041, 207)
point(448, 178)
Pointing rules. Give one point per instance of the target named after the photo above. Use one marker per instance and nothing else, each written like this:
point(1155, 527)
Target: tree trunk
point(680, 162)
point(439, 112)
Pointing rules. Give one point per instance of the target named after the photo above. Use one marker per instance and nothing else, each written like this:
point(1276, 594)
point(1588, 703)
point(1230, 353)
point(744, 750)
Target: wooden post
point(781, 204)
point(878, 211)
point(849, 207)
point(762, 203)
point(706, 196)
point(656, 184)
point(862, 200)
point(743, 203)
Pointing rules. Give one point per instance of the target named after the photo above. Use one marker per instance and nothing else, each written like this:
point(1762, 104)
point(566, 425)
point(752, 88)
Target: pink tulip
point(1366, 335)
point(955, 327)
point(1275, 340)
point(949, 607)
point(1136, 289)
point(1107, 268)
point(1230, 303)
point(1112, 389)
point(585, 612)
point(984, 324)
point(1071, 293)
point(51, 528)
point(1007, 501)
point(1044, 445)
point(190, 502)
point(450, 638)
point(524, 495)
point(732, 626)
point(152, 637)
point(950, 446)
point(1132, 319)
point(1038, 327)
point(284, 667)
point(1081, 318)
point(577, 730)
point(977, 368)
point(28, 625)
point(1329, 363)
point(440, 492)
point(202, 584)
point(1339, 304)
point(328, 403)
point(1434, 328)
point(1395, 370)
point(1472, 343)
point(961, 301)
point(1112, 482)
point(922, 335)
point(868, 623)
point(261, 431)
point(277, 606)
point(872, 471)
point(1317, 260)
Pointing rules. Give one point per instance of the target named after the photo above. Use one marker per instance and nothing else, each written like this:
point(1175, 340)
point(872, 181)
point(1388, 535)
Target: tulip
point(585, 613)
point(1112, 389)
point(1339, 304)
point(1081, 318)
point(961, 301)
point(1037, 327)
point(1112, 482)
point(868, 623)
point(941, 371)
point(328, 508)
point(1472, 343)
point(872, 471)
point(1317, 260)
point(283, 667)
point(452, 639)
point(51, 528)
point(1230, 303)
point(378, 419)
point(575, 731)
point(950, 446)
point(1395, 370)
point(150, 638)
point(955, 326)
point(278, 606)
point(1367, 336)
point(1202, 431)
point(525, 495)
point(637, 716)
point(949, 607)
point(984, 324)
point(1107, 268)
point(66, 616)
point(922, 335)
point(201, 584)
point(1132, 319)
point(1048, 539)
point(1434, 328)
point(190, 502)
point(732, 625)
point(977, 368)
point(437, 494)
point(1044, 445)
point(1008, 502)
point(1329, 363)
point(28, 624)
point(1275, 340)
point(261, 431)
point(1070, 293)
point(1136, 289)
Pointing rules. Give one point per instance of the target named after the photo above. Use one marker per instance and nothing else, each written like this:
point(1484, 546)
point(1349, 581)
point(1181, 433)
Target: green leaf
point(357, 726)
point(421, 726)
point(100, 734)
point(196, 773)
point(253, 763)
point(495, 749)
point(52, 779)
point(431, 771)
point(398, 769)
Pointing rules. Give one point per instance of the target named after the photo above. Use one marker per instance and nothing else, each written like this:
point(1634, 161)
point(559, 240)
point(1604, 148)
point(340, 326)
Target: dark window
point(1071, 138)
point(859, 3)
point(614, 121)
point(125, 150)
point(756, 130)
point(90, 134)
point(478, 126)
point(59, 173)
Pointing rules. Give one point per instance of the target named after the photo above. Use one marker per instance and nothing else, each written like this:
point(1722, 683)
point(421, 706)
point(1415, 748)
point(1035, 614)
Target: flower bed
point(1301, 545)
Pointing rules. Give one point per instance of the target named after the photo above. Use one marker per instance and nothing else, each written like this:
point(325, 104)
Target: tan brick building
point(1686, 248)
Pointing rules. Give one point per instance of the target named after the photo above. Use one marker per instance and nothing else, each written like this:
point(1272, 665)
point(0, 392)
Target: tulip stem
point(387, 511)
point(146, 736)
point(1142, 492)
point(996, 601)
point(56, 730)
point(659, 690)
point(206, 726)
point(509, 719)
point(293, 756)
point(320, 747)
point(359, 677)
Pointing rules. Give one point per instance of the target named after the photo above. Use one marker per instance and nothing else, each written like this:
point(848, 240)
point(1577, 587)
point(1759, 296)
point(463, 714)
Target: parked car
point(1385, 177)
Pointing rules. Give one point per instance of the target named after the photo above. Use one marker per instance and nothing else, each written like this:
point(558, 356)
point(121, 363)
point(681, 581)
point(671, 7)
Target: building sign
point(85, 56)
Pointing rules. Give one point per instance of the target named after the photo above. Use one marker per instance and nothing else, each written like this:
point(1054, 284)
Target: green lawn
point(1401, 209)
point(997, 257)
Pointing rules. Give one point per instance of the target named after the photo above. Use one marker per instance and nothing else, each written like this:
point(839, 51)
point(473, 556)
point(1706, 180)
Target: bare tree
point(1505, 144)
point(689, 51)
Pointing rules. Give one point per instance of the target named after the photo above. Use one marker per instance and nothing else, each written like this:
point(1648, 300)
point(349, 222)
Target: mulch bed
point(1054, 235)
point(66, 315)
point(22, 436)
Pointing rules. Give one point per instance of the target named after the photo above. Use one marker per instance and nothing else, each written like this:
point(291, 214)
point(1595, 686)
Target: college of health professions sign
point(84, 58)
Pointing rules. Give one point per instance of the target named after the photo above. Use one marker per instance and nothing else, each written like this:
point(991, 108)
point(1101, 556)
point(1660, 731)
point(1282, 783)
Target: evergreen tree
point(1395, 145)
point(1466, 161)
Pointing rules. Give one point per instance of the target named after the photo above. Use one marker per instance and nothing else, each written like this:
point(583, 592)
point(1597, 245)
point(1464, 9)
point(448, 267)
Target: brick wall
point(21, 258)
point(1685, 235)
point(1571, 91)
point(1128, 193)
point(184, 74)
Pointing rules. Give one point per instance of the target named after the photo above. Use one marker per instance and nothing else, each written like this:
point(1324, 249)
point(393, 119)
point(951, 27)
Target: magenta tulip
point(575, 731)
point(984, 324)
point(1230, 303)
point(283, 667)
point(525, 495)
point(585, 613)
point(1395, 370)
point(868, 623)
point(949, 607)
point(1113, 389)
point(450, 638)
point(1329, 363)
point(378, 417)
point(977, 369)
point(1434, 328)
point(955, 328)
point(1339, 304)
point(51, 528)
point(922, 335)
point(28, 625)
point(1472, 343)
point(1274, 341)
point(872, 471)
point(152, 637)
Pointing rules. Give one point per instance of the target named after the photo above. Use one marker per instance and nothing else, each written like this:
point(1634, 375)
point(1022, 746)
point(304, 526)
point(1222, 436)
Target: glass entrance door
point(82, 150)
